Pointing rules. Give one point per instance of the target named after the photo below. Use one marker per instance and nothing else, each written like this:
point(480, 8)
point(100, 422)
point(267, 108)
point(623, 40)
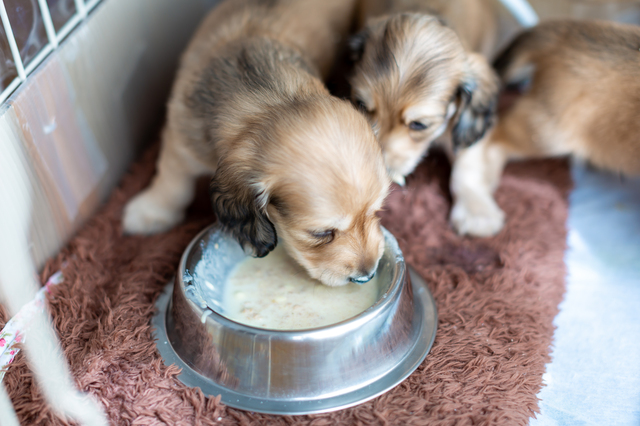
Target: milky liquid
point(274, 292)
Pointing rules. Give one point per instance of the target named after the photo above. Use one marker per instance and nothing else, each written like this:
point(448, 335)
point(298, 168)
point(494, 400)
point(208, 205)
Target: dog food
point(275, 293)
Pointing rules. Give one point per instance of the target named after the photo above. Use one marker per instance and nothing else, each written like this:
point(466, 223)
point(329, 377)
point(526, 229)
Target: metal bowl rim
point(383, 303)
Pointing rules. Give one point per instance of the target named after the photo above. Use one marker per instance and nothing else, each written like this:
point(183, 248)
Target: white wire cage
point(30, 31)
point(83, 85)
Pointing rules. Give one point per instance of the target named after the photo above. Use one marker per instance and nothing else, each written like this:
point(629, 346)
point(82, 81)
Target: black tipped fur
point(473, 120)
point(238, 212)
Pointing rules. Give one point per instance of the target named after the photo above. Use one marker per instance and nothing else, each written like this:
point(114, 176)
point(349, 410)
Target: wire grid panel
point(30, 30)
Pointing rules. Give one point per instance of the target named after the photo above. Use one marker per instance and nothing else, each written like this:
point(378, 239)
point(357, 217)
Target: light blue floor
point(594, 377)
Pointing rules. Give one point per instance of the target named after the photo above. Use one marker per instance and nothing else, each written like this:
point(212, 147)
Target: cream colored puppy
point(290, 162)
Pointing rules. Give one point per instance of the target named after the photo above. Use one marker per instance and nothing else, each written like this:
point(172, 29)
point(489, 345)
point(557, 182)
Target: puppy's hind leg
point(161, 206)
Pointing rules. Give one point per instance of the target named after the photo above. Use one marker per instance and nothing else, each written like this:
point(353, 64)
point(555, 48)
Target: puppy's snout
point(363, 278)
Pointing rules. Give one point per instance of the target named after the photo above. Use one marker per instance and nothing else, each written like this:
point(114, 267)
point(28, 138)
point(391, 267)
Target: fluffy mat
point(496, 299)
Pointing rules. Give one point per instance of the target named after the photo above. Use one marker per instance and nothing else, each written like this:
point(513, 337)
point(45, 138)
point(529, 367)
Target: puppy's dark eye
point(324, 237)
point(418, 126)
point(361, 105)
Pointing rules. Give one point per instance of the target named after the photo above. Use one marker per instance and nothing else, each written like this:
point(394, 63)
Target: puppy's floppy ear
point(240, 207)
point(357, 44)
point(478, 93)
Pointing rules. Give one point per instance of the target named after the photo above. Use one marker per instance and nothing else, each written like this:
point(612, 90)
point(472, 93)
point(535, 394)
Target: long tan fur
point(290, 162)
point(420, 75)
point(583, 100)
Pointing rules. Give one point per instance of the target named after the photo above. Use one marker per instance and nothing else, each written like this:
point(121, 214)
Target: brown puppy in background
point(288, 159)
point(418, 73)
point(583, 100)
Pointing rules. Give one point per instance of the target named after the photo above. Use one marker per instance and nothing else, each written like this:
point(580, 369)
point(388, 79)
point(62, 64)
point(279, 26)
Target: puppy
point(419, 76)
point(583, 100)
point(288, 160)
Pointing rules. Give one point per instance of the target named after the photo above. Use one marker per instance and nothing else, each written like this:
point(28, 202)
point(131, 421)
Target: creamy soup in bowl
point(274, 292)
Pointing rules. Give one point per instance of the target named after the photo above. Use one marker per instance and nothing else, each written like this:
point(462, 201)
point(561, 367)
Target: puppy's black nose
point(362, 279)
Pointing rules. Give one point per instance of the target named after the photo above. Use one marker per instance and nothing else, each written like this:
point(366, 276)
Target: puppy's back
point(314, 27)
point(247, 78)
point(247, 54)
point(585, 78)
point(574, 43)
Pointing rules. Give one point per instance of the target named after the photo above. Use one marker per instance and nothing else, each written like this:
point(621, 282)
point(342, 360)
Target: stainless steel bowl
point(290, 372)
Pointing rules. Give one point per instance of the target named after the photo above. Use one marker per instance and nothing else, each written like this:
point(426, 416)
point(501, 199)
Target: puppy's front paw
point(145, 215)
point(478, 218)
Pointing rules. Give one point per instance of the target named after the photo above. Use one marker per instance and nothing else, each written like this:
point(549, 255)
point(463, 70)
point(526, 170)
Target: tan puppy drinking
point(290, 162)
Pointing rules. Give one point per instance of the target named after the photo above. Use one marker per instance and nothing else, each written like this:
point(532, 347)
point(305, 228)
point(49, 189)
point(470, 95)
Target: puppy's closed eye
point(418, 126)
point(323, 237)
point(362, 106)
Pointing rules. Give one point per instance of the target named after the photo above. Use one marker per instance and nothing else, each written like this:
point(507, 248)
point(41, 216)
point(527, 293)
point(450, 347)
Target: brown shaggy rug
point(496, 300)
